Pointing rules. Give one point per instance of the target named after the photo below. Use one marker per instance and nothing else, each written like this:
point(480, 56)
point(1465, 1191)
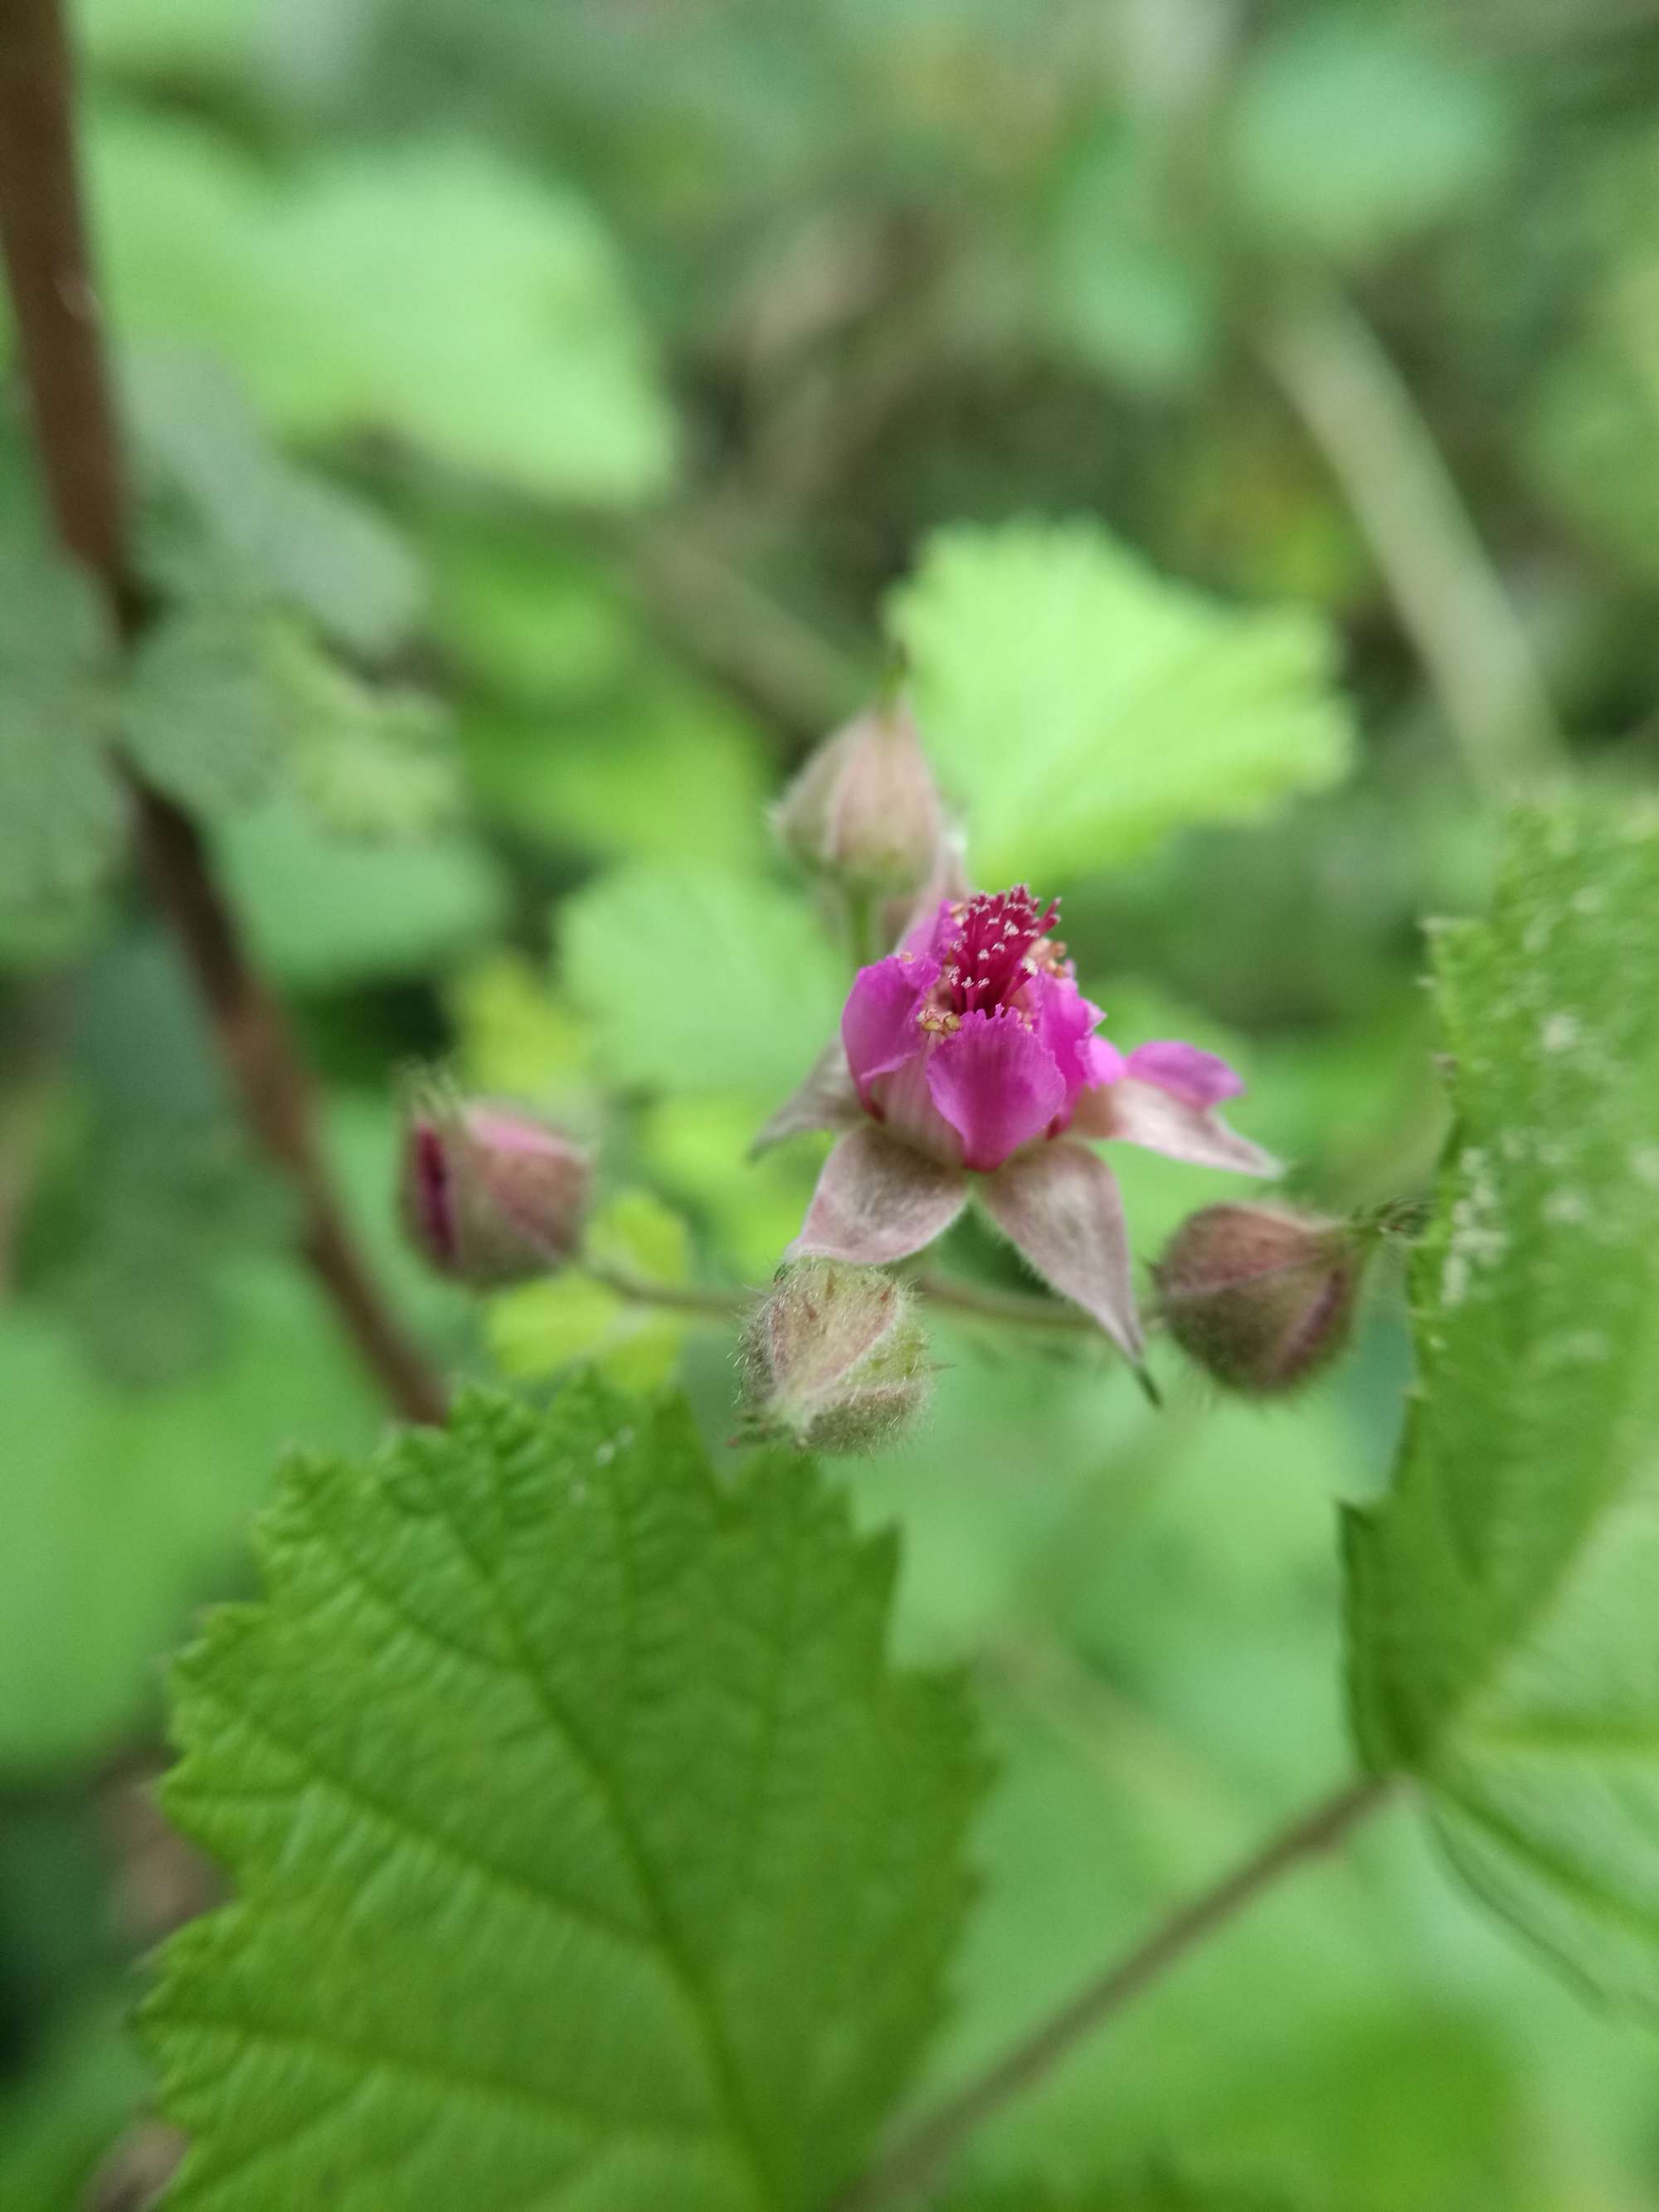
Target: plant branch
point(43, 238)
point(712, 1299)
point(1359, 412)
point(918, 2155)
point(1019, 1309)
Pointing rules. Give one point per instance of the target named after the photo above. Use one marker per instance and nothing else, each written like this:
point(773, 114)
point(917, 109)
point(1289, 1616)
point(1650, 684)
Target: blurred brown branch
point(48, 266)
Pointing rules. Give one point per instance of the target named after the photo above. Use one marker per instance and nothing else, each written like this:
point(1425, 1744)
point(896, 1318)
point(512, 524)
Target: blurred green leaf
point(324, 910)
point(226, 705)
point(193, 38)
point(513, 1038)
point(1349, 135)
point(226, 510)
point(634, 1734)
point(540, 624)
point(697, 979)
point(538, 1328)
point(119, 1508)
point(1501, 1597)
point(58, 2121)
point(62, 816)
point(368, 762)
point(434, 290)
point(1127, 288)
point(661, 768)
point(1592, 425)
point(1084, 707)
point(699, 1145)
point(200, 715)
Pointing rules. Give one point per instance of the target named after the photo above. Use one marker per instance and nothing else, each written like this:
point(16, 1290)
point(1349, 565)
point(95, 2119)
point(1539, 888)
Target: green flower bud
point(864, 810)
point(1259, 1297)
point(836, 1360)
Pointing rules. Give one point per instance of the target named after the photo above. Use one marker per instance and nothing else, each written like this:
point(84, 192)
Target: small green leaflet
point(1084, 707)
point(587, 1848)
point(1504, 1634)
point(63, 816)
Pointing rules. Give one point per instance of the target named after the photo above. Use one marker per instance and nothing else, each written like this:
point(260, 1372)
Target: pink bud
point(1259, 1297)
point(491, 1196)
point(836, 1359)
point(866, 809)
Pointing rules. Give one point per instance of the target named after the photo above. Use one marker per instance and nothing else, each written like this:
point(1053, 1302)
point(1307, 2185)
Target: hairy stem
point(919, 2154)
point(48, 267)
point(1018, 1308)
point(1357, 409)
point(712, 1300)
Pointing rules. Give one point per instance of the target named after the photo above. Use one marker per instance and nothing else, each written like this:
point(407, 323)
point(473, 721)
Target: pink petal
point(1201, 1079)
point(1064, 1021)
point(1141, 1113)
point(998, 1085)
point(877, 1200)
point(1062, 1208)
point(1106, 1063)
point(930, 929)
point(878, 1022)
point(825, 1100)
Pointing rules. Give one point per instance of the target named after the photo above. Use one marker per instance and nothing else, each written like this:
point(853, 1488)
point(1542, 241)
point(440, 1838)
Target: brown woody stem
point(48, 267)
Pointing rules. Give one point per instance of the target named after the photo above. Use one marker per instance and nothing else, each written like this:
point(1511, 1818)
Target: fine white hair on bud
point(835, 1360)
point(1261, 1298)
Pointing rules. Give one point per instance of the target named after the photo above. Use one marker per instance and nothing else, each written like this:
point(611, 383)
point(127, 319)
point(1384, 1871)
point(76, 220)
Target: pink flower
point(968, 1057)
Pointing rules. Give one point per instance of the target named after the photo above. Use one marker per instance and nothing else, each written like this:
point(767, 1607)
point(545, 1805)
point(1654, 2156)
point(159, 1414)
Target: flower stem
point(722, 1303)
point(917, 2156)
point(56, 310)
point(712, 1300)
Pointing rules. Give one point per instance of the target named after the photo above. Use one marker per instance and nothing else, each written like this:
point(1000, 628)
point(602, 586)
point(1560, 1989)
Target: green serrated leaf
point(696, 979)
point(623, 1866)
point(1085, 707)
point(1501, 1597)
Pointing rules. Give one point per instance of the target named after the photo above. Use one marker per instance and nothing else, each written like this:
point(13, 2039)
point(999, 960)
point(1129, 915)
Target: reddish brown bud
point(491, 1196)
point(836, 1359)
point(1260, 1297)
point(865, 808)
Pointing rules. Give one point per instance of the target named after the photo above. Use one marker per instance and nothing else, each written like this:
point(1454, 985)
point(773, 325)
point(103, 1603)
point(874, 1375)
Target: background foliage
point(548, 417)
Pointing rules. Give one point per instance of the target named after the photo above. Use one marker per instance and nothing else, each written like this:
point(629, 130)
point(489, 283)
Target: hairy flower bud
point(492, 1196)
point(1259, 1297)
point(866, 809)
point(836, 1360)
